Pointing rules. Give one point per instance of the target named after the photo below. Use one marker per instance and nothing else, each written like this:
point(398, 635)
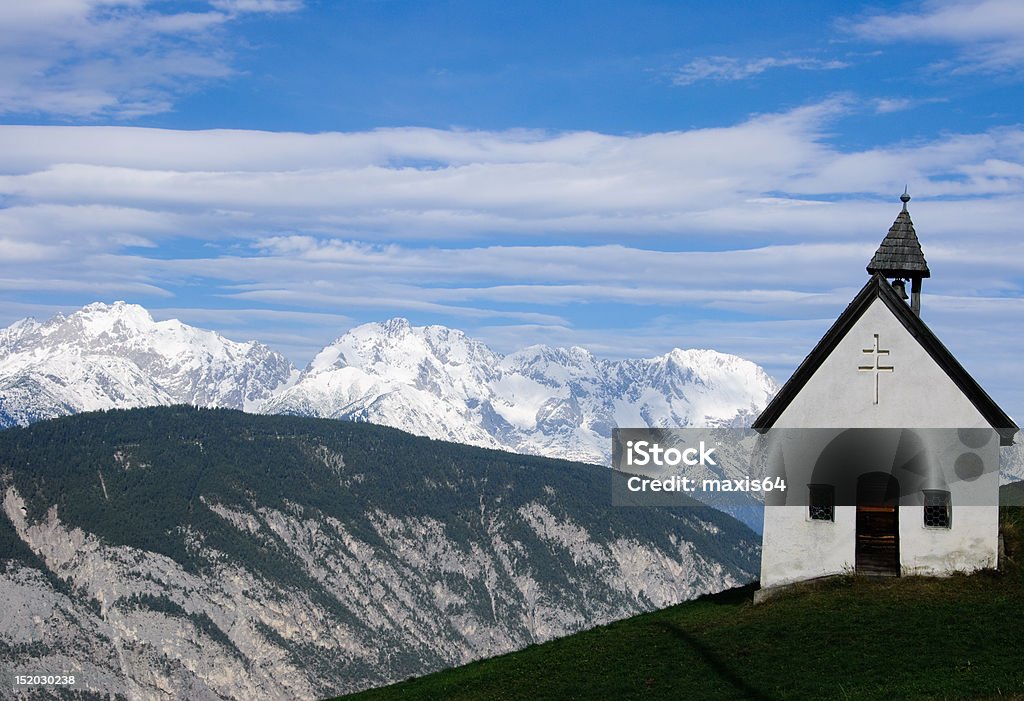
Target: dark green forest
point(139, 477)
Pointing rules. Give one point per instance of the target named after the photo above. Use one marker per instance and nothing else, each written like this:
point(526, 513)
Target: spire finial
point(904, 198)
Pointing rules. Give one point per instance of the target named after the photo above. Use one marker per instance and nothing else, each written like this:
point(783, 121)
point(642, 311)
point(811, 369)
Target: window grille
point(821, 505)
point(938, 511)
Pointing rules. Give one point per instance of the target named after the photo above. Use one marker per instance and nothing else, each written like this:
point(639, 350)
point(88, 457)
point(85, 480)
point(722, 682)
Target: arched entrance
point(878, 524)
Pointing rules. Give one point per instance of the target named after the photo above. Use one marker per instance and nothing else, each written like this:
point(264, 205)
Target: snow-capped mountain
point(559, 402)
point(431, 381)
point(116, 356)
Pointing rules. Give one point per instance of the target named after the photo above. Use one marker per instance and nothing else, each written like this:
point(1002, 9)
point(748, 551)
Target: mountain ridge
point(432, 380)
point(211, 553)
point(561, 402)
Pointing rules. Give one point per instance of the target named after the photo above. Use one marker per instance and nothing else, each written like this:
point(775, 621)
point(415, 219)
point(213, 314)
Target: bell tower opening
point(900, 257)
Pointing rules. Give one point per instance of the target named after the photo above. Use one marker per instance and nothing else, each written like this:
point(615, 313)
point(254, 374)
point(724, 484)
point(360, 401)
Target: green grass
point(846, 638)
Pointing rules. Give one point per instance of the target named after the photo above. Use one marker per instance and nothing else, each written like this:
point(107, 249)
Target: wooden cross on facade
point(876, 366)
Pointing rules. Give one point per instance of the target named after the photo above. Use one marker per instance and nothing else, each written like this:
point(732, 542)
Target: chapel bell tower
point(900, 258)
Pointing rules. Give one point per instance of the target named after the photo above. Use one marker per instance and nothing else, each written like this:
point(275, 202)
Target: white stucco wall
point(916, 394)
point(971, 544)
point(795, 548)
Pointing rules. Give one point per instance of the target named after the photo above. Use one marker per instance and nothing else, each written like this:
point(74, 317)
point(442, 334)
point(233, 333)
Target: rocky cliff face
point(173, 553)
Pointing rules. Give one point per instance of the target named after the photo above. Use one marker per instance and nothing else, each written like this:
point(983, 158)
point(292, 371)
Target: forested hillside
point(284, 557)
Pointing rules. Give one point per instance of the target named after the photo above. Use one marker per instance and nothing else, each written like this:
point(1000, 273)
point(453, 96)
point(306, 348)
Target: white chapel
point(905, 446)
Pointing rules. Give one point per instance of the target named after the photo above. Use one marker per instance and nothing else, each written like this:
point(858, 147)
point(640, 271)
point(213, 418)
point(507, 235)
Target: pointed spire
point(900, 255)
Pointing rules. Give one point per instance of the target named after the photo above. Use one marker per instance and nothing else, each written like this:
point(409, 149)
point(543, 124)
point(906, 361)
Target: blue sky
point(629, 177)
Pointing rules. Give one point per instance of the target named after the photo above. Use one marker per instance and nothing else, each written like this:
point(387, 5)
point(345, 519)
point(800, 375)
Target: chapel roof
point(900, 255)
point(879, 288)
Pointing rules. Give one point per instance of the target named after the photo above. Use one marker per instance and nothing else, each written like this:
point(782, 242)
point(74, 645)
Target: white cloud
point(257, 5)
point(893, 104)
point(957, 20)
point(287, 208)
point(765, 219)
point(730, 68)
point(990, 32)
point(541, 284)
point(771, 178)
point(110, 58)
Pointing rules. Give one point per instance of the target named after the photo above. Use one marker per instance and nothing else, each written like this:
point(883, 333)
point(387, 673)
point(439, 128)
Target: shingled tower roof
point(900, 254)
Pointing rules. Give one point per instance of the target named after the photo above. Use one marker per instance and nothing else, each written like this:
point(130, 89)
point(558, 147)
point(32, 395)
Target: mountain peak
point(106, 356)
point(97, 318)
point(553, 401)
point(396, 326)
point(29, 323)
point(398, 348)
point(119, 307)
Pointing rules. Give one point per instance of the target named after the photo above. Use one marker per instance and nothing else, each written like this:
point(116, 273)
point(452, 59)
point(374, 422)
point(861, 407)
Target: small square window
point(938, 510)
point(821, 505)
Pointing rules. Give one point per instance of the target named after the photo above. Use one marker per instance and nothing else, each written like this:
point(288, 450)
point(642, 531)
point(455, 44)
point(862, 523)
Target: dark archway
point(878, 524)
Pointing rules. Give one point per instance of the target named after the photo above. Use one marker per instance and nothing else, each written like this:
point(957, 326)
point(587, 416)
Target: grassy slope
point(848, 638)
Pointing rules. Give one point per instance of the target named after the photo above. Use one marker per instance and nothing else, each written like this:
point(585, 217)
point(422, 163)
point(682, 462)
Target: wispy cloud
point(770, 178)
point(724, 68)
point(888, 105)
point(112, 58)
point(746, 225)
point(893, 104)
point(989, 32)
point(239, 6)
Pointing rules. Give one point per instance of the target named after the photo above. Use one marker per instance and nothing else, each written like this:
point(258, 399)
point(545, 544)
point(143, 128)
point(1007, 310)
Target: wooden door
point(878, 525)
